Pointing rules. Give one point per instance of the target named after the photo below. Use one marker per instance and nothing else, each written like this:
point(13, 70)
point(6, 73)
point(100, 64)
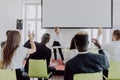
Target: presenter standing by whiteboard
point(57, 43)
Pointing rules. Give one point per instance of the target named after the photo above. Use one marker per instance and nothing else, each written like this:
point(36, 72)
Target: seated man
point(42, 52)
point(85, 61)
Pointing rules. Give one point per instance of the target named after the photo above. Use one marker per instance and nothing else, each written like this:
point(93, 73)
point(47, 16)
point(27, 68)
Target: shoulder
point(73, 60)
point(48, 49)
point(43, 47)
point(97, 56)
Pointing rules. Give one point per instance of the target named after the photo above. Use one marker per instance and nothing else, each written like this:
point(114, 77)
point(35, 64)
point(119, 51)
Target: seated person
point(42, 52)
point(85, 61)
point(112, 49)
point(13, 54)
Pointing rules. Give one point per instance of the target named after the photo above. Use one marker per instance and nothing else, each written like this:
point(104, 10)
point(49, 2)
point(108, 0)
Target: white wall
point(10, 10)
point(67, 35)
point(116, 14)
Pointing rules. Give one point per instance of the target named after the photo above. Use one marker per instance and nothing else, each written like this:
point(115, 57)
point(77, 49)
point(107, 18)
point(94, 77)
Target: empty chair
point(38, 69)
point(7, 74)
point(88, 76)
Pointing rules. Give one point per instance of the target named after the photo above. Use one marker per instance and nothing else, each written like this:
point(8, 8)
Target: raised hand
point(31, 35)
point(96, 43)
point(100, 31)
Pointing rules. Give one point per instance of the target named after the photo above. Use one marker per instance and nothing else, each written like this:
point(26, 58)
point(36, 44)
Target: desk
point(59, 66)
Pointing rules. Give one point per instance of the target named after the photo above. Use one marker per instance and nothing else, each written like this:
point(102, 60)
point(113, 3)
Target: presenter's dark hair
point(80, 39)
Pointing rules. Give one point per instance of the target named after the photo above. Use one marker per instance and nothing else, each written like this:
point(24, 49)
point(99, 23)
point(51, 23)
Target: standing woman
point(13, 53)
point(57, 43)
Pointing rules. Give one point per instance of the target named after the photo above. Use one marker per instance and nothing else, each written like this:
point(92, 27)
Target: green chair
point(7, 74)
point(38, 69)
point(114, 70)
point(88, 76)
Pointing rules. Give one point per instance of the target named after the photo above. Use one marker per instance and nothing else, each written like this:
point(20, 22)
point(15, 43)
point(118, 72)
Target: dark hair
point(7, 32)
point(45, 37)
point(116, 33)
point(80, 39)
point(72, 44)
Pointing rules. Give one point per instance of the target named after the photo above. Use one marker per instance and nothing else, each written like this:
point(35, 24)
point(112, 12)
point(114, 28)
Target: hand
point(100, 31)
point(31, 35)
point(96, 43)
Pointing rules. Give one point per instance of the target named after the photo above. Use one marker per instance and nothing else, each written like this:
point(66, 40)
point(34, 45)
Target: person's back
point(13, 53)
point(85, 62)
point(112, 50)
point(42, 52)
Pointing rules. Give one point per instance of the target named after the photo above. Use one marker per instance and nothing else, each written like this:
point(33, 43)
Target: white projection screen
point(77, 14)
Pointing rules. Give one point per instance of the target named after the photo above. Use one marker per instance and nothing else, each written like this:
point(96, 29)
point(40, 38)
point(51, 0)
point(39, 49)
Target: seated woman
point(13, 53)
point(112, 49)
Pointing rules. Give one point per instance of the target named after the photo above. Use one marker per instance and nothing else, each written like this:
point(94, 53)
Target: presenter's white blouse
point(18, 57)
point(112, 50)
point(58, 38)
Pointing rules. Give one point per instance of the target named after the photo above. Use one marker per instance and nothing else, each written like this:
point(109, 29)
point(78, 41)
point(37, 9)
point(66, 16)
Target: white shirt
point(58, 38)
point(18, 57)
point(112, 50)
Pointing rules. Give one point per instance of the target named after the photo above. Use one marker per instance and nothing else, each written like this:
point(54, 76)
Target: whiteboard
point(73, 14)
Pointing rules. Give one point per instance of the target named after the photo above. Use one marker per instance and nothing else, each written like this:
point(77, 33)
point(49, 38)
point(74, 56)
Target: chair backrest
point(114, 70)
point(7, 74)
point(88, 76)
point(37, 68)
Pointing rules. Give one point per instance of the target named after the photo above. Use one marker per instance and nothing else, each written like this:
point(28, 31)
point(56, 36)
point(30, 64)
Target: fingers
point(96, 43)
point(100, 31)
point(94, 40)
point(31, 35)
point(28, 33)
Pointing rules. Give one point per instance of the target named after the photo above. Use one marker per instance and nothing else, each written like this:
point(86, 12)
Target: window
point(32, 19)
point(105, 37)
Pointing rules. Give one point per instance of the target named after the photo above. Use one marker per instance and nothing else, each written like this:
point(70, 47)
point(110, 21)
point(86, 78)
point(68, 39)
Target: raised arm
point(33, 47)
point(96, 43)
point(100, 31)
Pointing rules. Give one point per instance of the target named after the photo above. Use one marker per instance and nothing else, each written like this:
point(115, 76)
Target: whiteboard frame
point(76, 27)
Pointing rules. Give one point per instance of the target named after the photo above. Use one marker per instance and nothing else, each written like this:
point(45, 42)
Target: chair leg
point(51, 78)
